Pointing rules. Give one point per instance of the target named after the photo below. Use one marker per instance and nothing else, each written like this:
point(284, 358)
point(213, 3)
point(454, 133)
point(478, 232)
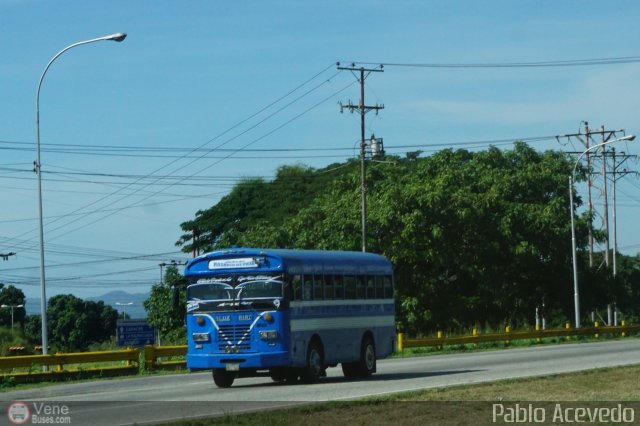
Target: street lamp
point(37, 166)
point(124, 309)
point(576, 294)
point(12, 308)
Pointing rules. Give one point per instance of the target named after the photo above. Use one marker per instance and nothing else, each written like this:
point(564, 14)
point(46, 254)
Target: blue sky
point(190, 72)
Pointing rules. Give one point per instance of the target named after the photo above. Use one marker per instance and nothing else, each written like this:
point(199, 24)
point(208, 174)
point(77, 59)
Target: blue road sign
point(132, 333)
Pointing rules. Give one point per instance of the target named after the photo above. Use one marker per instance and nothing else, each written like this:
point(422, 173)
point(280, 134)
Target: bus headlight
point(201, 337)
point(268, 334)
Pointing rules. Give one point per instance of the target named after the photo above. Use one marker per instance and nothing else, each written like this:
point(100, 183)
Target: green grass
point(470, 404)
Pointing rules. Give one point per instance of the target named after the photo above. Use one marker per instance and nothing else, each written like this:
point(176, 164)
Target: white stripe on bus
point(346, 302)
point(312, 324)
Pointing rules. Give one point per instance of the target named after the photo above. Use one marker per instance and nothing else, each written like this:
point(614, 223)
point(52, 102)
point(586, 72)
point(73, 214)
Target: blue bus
point(288, 314)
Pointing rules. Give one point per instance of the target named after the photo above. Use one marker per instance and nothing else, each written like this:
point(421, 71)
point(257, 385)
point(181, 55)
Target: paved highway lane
point(158, 398)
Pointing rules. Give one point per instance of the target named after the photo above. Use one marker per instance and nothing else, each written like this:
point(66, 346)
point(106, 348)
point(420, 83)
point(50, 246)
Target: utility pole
point(163, 264)
point(616, 176)
point(585, 138)
point(605, 198)
point(362, 109)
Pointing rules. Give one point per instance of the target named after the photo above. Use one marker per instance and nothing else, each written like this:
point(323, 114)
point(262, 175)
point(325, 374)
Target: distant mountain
point(113, 298)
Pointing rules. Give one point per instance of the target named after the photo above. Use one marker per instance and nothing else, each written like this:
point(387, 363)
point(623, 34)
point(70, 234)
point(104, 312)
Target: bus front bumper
point(241, 360)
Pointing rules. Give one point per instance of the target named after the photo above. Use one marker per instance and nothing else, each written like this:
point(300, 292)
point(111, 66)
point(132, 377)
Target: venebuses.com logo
point(18, 413)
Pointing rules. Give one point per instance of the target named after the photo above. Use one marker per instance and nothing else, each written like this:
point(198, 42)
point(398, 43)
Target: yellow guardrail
point(509, 335)
point(55, 366)
point(153, 353)
point(52, 366)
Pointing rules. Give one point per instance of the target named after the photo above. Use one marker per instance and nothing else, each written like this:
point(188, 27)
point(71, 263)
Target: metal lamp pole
point(37, 168)
point(12, 308)
point(576, 292)
point(124, 309)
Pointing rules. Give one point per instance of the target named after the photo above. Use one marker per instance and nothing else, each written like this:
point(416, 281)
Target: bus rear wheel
point(223, 378)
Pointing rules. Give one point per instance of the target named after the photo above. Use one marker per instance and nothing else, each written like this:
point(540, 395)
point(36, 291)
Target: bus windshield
point(210, 292)
point(237, 291)
point(250, 287)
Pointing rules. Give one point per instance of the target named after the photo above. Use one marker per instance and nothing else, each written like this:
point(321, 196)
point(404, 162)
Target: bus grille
point(237, 336)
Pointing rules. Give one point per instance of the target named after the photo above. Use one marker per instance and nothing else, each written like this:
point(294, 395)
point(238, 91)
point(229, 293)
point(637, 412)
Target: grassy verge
point(471, 404)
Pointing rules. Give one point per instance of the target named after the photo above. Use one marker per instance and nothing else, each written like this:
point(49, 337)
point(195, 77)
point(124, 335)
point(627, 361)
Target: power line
point(538, 64)
point(206, 143)
point(96, 149)
point(169, 185)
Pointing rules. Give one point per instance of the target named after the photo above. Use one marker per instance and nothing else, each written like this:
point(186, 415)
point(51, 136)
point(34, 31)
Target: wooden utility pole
point(362, 109)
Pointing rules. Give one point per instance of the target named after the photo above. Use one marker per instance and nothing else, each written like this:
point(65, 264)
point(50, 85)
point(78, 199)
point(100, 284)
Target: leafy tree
point(166, 305)
point(33, 329)
point(12, 296)
point(74, 324)
point(474, 236)
point(65, 318)
point(100, 320)
point(254, 204)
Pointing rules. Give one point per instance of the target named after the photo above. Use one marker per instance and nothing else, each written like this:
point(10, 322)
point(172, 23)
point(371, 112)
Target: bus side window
point(349, 287)
point(296, 283)
point(388, 288)
point(339, 282)
point(328, 287)
point(360, 288)
point(371, 288)
point(307, 287)
point(379, 287)
point(317, 287)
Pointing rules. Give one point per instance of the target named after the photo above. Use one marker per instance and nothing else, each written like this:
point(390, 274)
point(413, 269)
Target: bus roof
point(249, 260)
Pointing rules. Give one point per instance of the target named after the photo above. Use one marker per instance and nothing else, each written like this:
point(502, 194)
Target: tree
point(474, 236)
point(166, 305)
point(65, 318)
point(256, 207)
point(100, 321)
point(33, 329)
point(12, 296)
point(74, 324)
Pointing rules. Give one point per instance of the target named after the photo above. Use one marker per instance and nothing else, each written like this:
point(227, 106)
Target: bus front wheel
point(223, 378)
point(364, 367)
point(367, 357)
point(315, 364)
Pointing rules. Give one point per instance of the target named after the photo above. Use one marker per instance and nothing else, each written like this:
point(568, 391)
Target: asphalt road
point(171, 397)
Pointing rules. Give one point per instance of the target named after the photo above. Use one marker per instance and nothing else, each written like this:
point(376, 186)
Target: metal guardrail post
point(149, 357)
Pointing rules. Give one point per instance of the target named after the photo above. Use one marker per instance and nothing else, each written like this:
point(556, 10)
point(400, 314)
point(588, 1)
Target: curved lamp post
point(12, 308)
point(124, 309)
point(37, 165)
point(576, 293)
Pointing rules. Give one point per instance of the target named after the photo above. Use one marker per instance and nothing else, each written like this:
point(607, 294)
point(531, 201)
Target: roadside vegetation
point(468, 404)
point(74, 324)
point(477, 239)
